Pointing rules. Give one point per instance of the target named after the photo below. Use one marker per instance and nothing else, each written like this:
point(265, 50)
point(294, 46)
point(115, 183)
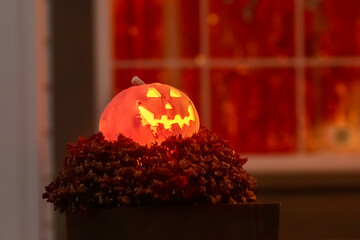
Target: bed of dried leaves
point(97, 173)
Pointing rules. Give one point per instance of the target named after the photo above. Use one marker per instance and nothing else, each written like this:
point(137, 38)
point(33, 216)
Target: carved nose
point(168, 106)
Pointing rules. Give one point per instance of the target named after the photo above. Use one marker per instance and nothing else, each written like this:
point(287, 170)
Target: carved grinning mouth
point(148, 118)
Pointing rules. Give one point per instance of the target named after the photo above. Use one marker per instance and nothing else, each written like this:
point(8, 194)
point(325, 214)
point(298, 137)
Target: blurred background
point(280, 80)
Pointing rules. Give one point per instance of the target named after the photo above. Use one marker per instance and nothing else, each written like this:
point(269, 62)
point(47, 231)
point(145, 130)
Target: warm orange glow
point(149, 119)
point(149, 113)
point(174, 93)
point(168, 106)
point(152, 92)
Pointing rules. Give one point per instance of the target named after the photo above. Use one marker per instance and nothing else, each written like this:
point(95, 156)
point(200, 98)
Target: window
point(279, 79)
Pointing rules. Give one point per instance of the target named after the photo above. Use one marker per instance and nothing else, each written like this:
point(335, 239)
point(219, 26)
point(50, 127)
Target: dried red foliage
point(97, 173)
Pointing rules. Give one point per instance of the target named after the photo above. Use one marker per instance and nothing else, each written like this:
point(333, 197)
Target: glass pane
point(189, 46)
point(155, 29)
point(138, 32)
point(255, 108)
point(251, 28)
point(332, 28)
point(333, 109)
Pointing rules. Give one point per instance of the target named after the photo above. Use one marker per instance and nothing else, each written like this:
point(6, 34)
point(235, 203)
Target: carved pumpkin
point(149, 113)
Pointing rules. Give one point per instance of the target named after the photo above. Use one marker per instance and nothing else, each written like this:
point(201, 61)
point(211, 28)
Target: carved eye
point(174, 93)
point(152, 92)
point(168, 106)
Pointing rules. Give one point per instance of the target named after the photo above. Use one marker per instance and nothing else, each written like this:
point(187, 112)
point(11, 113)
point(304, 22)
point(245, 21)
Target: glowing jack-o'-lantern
point(149, 113)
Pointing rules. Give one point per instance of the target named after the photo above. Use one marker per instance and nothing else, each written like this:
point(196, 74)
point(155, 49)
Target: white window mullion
point(172, 42)
point(231, 63)
point(300, 73)
point(203, 60)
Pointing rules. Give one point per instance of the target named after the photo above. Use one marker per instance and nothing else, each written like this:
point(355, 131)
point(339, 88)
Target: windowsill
point(303, 163)
point(305, 171)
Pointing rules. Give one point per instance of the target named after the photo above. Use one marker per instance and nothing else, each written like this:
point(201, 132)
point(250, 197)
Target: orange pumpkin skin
point(149, 113)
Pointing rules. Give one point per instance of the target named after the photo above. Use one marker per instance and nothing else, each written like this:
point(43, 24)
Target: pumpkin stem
point(136, 81)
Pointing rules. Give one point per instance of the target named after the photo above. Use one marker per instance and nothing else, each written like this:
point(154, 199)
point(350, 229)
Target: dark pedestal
point(246, 221)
